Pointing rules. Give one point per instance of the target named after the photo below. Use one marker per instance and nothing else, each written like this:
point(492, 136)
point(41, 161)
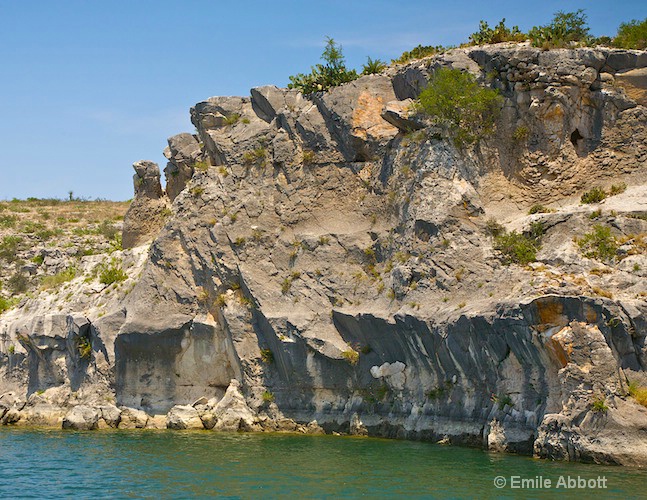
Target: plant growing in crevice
point(599, 405)
point(111, 273)
point(84, 347)
point(231, 119)
point(267, 356)
point(351, 356)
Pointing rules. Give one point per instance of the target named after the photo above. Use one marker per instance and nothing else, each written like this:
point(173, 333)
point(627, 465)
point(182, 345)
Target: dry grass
point(639, 393)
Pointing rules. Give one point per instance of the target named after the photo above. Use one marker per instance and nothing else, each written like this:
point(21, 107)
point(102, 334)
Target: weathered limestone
point(183, 417)
point(132, 418)
point(329, 259)
point(82, 418)
point(148, 211)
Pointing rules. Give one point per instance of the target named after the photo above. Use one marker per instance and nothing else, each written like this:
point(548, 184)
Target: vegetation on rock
point(454, 99)
point(324, 76)
point(520, 248)
point(500, 33)
point(418, 53)
point(566, 29)
point(599, 244)
point(373, 66)
point(632, 35)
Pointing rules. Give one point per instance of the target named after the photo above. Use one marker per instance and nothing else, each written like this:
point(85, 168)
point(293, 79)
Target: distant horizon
point(93, 87)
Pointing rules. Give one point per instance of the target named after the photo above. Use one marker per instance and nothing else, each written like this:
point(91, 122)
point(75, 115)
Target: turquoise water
point(165, 464)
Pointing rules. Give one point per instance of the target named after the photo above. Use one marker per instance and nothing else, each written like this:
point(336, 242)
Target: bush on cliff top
point(566, 29)
point(324, 76)
point(500, 33)
point(632, 35)
point(455, 99)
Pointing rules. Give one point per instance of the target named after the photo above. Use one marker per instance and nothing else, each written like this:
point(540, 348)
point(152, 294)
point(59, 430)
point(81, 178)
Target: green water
point(164, 464)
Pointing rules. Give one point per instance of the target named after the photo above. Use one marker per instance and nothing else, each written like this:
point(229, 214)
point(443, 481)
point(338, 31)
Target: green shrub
point(6, 304)
point(9, 248)
point(455, 99)
point(112, 273)
point(351, 356)
point(567, 28)
point(617, 189)
point(504, 401)
point(599, 243)
point(632, 35)
point(324, 76)
point(373, 66)
point(539, 209)
point(58, 279)
point(268, 397)
point(231, 119)
point(8, 220)
point(308, 157)
point(201, 166)
point(500, 33)
point(107, 230)
point(594, 195)
point(84, 347)
point(267, 356)
point(518, 248)
point(18, 283)
point(521, 133)
point(418, 53)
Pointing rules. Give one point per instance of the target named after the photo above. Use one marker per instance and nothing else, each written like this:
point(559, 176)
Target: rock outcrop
point(328, 264)
point(148, 210)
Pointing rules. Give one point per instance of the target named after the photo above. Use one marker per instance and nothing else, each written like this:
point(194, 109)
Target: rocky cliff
point(331, 258)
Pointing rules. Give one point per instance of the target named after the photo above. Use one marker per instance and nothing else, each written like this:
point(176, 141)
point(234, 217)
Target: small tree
point(455, 99)
point(324, 76)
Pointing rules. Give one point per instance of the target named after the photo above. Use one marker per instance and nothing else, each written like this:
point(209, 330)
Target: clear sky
point(88, 87)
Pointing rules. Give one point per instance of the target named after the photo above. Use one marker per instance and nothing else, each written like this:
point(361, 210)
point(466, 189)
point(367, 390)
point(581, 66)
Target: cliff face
point(331, 255)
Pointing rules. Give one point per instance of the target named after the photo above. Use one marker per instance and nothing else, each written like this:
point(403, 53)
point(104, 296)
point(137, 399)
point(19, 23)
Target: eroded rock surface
point(327, 264)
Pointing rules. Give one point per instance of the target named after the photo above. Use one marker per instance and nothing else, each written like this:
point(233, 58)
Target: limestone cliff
point(332, 256)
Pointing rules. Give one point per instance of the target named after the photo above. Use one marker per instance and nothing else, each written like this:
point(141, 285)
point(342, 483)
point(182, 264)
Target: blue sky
point(89, 87)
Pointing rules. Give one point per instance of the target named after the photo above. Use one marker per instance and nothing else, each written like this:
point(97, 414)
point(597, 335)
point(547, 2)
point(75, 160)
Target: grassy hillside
point(43, 240)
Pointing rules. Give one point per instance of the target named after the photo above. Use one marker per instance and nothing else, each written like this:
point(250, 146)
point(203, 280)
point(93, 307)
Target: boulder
point(232, 410)
point(314, 428)
point(82, 418)
point(133, 419)
point(111, 415)
point(398, 114)
point(183, 417)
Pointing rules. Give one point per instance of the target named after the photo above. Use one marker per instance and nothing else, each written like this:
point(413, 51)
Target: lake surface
point(165, 464)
